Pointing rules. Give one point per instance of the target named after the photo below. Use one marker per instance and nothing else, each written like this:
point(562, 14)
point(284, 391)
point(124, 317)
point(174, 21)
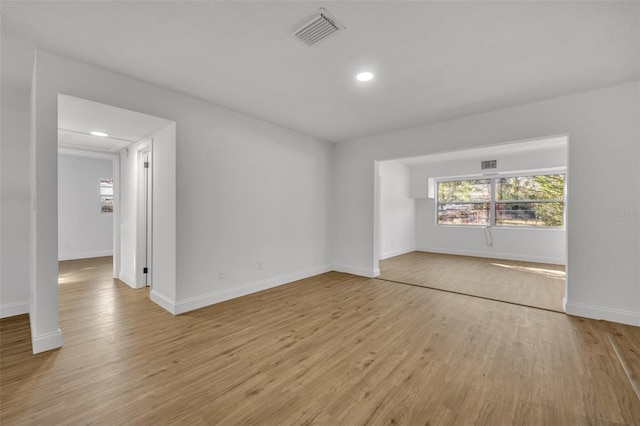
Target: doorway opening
point(443, 221)
point(105, 204)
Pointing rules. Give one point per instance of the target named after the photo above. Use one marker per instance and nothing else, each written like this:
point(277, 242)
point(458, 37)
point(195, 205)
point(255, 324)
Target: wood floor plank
point(329, 350)
point(538, 285)
point(625, 340)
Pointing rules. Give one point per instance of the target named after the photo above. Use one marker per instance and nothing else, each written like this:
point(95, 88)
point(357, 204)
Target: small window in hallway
point(106, 195)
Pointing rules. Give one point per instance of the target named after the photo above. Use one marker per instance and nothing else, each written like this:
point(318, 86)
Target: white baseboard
point(163, 301)
point(356, 270)
point(13, 309)
point(395, 253)
point(127, 280)
point(600, 313)
point(494, 255)
point(208, 299)
point(87, 255)
point(46, 342)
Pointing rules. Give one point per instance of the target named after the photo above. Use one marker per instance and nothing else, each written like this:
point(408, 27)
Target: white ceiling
point(77, 118)
point(433, 60)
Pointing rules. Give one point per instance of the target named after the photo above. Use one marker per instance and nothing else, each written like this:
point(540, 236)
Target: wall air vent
point(317, 27)
point(490, 164)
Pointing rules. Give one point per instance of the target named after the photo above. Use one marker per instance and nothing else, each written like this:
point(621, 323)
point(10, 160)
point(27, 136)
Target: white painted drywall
point(544, 159)
point(130, 260)
point(397, 210)
point(163, 271)
point(603, 174)
point(43, 168)
point(247, 191)
point(15, 203)
point(83, 230)
point(534, 245)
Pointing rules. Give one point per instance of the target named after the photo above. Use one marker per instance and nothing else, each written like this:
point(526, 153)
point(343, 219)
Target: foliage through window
point(464, 202)
point(533, 201)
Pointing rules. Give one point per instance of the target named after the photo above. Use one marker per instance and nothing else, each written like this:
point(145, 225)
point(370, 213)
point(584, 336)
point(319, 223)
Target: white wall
point(130, 261)
point(15, 204)
point(397, 210)
point(163, 272)
point(247, 192)
point(534, 245)
point(83, 230)
point(603, 254)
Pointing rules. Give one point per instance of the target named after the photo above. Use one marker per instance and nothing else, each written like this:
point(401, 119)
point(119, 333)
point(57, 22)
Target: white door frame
point(144, 213)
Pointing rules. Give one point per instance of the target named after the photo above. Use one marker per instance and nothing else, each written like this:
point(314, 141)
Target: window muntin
point(528, 201)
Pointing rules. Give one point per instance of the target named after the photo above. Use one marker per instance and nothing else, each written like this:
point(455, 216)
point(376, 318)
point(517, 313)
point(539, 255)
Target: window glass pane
point(106, 195)
point(478, 190)
point(463, 214)
point(544, 214)
point(106, 204)
point(542, 187)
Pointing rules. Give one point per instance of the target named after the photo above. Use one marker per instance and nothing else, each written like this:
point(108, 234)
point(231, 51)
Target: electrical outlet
point(260, 266)
point(221, 274)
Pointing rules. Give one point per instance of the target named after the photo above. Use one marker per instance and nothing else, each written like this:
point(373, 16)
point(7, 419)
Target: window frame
point(492, 203)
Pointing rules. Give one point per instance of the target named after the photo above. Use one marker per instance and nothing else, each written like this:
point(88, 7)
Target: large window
point(532, 201)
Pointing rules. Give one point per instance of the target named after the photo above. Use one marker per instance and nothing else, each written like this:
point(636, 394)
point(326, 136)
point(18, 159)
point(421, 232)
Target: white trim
point(85, 255)
point(163, 301)
point(601, 313)
point(197, 302)
point(494, 255)
point(115, 224)
point(86, 153)
point(46, 342)
point(395, 253)
point(13, 309)
point(127, 280)
point(357, 270)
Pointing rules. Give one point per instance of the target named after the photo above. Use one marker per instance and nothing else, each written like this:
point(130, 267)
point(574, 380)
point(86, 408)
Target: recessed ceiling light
point(364, 76)
point(99, 133)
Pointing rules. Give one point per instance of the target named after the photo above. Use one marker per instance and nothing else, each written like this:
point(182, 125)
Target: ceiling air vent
point(317, 27)
point(489, 164)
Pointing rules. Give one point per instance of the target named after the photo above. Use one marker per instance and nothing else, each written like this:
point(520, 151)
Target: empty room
point(330, 213)
point(496, 229)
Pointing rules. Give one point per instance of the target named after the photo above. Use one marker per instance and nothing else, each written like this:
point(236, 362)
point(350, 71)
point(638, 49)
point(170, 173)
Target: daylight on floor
point(328, 213)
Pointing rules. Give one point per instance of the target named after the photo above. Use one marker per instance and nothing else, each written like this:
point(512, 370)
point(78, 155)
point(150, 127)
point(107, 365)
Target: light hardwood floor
point(329, 350)
point(539, 285)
